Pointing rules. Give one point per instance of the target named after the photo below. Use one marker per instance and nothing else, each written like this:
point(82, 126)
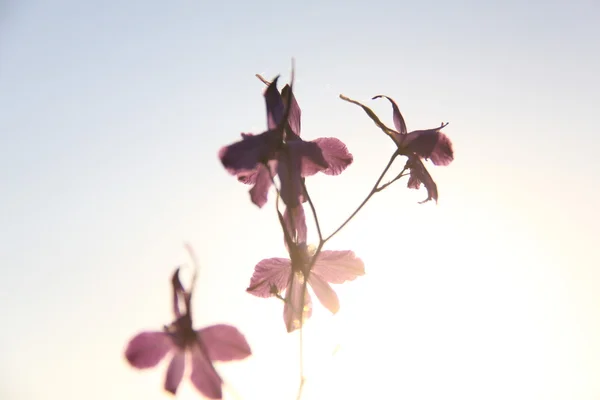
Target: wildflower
point(257, 159)
point(428, 144)
point(204, 346)
point(273, 276)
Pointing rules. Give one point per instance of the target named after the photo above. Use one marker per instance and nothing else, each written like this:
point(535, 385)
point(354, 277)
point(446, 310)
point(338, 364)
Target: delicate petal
point(398, 119)
point(418, 174)
point(262, 183)
point(246, 154)
point(224, 343)
point(338, 266)
point(295, 113)
point(293, 299)
point(270, 272)
point(275, 106)
point(178, 291)
point(175, 372)
point(146, 349)
point(429, 144)
point(324, 293)
point(336, 155)
point(204, 376)
point(295, 222)
point(290, 179)
point(249, 177)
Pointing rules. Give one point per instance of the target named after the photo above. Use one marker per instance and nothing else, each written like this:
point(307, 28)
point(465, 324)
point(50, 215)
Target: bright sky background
point(111, 116)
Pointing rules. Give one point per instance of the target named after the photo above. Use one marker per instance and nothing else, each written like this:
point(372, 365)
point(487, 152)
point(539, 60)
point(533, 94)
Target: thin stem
point(299, 395)
point(400, 175)
point(371, 193)
point(314, 211)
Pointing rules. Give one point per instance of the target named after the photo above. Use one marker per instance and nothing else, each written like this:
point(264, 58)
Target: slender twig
point(371, 193)
point(400, 175)
point(314, 211)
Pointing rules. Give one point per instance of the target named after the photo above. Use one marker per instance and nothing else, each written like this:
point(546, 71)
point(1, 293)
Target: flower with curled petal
point(428, 144)
point(204, 346)
point(280, 151)
point(273, 276)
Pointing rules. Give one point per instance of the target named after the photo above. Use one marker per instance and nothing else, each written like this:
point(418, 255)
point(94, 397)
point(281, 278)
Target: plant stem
point(374, 190)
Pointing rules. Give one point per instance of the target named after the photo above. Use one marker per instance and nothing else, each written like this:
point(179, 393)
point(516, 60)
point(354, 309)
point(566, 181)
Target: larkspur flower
point(273, 276)
point(280, 151)
point(204, 346)
point(428, 144)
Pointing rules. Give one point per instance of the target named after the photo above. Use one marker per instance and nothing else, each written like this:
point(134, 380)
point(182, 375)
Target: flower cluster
point(279, 157)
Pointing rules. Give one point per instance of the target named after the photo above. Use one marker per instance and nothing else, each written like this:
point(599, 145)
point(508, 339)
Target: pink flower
point(256, 159)
point(416, 145)
point(273, 276)
point(203, 347)
point(428, 144)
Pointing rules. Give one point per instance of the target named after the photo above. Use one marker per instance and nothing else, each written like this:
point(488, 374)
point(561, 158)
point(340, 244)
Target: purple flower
point(280, 151)
point(273, 276)
point(428, 144)
point(214, 343)
point(416, 145)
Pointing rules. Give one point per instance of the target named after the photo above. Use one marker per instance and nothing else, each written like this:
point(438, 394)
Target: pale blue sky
point(111, 116)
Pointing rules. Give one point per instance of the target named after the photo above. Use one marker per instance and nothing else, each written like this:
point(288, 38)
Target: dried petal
point(224, 343)
point(175, 372)
point(398, 119)
point(429, 144)
point(336, 155)
point(262, 183)
point(274, 102)
point(147, 349)
point(204, 376)
point(338, 266)
point(294, 114)
point(245, 155)
point(324, 293)
point(270, 272)
point(418, 175)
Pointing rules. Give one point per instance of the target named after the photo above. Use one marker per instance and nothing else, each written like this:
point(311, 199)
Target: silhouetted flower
point(214, 343)
point(428, 144)
point(273, 276)
point(257, 159)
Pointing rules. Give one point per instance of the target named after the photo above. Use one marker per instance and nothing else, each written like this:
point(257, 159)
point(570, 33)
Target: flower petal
point(429, 144)
point(175, 372)
point(275, 106)
point(204, 376)
point(418, 175)
point(336, 155)
point(295, 222)
point(270, 272)
point(338, 266)
point(293, 304)
point(295, 113)
point(262, 183)
point(324, 293)
point(245, 155)
point(146, 349)
point(398, 119)
point(224, 343)
point(289, 173)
